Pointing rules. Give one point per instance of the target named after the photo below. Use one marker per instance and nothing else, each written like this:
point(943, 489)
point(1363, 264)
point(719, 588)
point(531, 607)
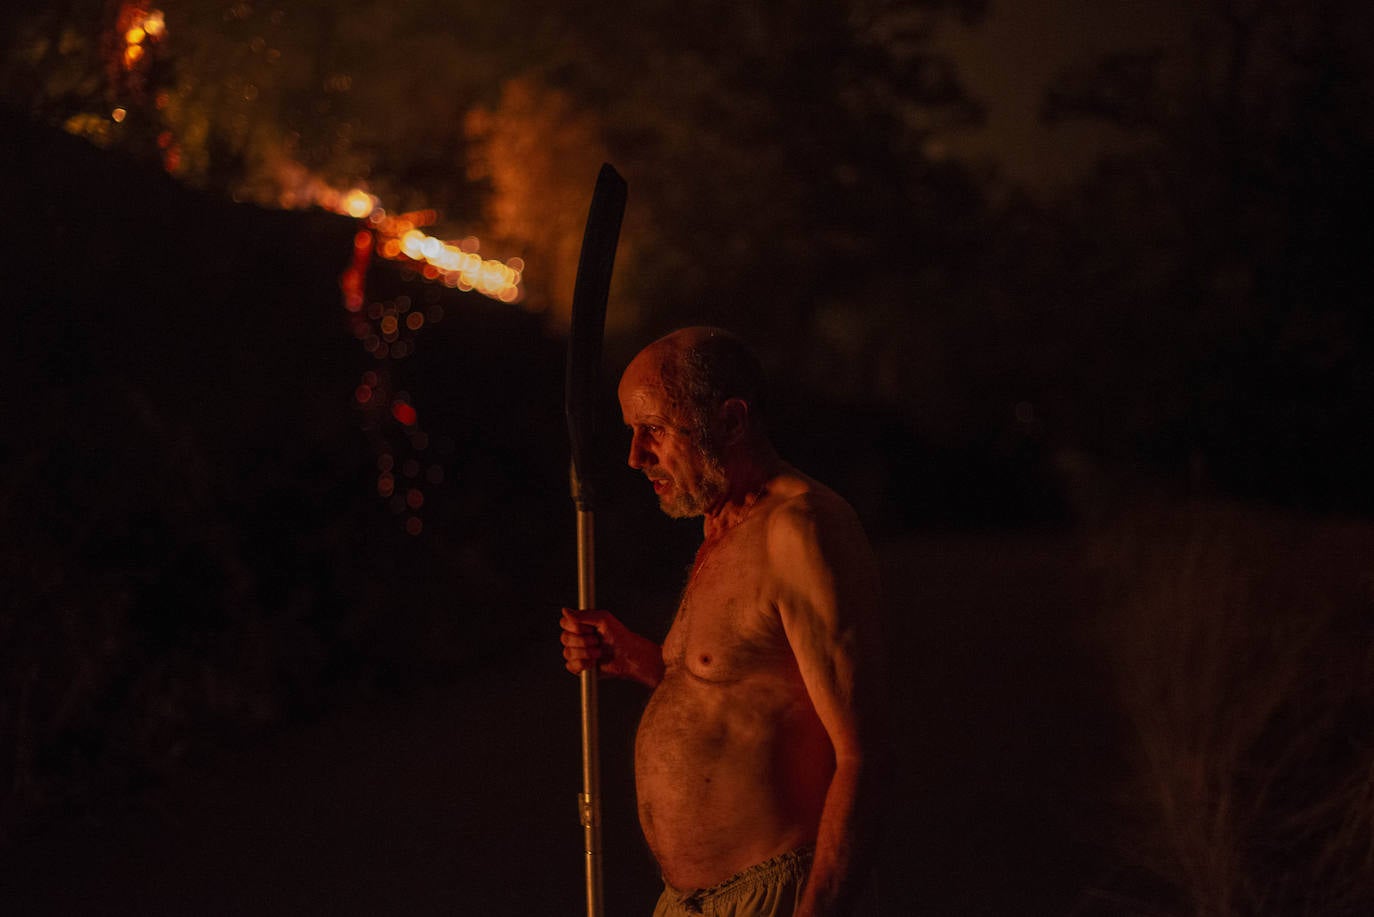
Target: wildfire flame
point(455, 264)
point(387, 330)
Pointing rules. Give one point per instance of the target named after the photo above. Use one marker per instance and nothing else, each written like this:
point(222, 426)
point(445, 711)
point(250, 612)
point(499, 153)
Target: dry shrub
point(1243, 647)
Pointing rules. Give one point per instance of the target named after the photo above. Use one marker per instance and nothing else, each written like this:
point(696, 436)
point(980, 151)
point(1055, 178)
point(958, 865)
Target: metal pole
point(590, 292)
point(590, 799)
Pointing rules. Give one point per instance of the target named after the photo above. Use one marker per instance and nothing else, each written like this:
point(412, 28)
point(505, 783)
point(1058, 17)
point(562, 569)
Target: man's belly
point(728, 775)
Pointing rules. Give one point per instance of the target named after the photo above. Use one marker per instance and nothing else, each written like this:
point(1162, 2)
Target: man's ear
point(734, 421)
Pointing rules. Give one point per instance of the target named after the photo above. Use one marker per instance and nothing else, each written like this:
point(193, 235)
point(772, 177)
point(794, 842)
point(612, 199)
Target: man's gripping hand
point(618, 651)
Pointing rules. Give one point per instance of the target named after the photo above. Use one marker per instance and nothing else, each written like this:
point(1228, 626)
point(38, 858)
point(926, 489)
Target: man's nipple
point(705, 658)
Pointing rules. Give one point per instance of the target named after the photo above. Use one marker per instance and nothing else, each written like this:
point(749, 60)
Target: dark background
point(1096, 376)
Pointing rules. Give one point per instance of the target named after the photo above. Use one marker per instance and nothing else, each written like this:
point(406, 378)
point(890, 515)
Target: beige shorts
point(770, 889)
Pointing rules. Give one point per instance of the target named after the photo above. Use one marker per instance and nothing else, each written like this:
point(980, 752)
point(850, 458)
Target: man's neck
point(749, 476)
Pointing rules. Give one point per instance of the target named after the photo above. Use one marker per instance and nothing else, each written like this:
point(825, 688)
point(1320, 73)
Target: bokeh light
point(140, 29)
point(358, 203)
point(399, 238)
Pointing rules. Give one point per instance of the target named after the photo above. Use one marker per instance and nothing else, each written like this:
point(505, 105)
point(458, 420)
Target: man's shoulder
point(806, 508)
point(816, 546)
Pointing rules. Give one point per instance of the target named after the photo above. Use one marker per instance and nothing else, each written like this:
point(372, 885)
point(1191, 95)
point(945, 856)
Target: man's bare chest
point(727, 625)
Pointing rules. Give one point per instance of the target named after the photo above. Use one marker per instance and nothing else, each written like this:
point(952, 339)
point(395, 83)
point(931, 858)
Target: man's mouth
point(660, 484)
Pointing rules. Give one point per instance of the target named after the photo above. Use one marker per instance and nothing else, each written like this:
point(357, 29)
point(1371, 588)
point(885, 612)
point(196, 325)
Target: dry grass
point(1243, 647)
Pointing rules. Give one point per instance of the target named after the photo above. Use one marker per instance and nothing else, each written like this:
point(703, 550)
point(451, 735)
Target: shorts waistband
point(792, 864)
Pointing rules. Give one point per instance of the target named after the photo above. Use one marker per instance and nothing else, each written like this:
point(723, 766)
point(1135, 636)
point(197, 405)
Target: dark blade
point(590, 292)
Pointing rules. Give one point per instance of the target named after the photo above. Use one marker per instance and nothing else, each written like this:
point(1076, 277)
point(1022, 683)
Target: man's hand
point(618, 651)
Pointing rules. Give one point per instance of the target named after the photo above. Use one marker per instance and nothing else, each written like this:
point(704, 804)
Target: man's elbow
point(865, 763)
point(859, 761)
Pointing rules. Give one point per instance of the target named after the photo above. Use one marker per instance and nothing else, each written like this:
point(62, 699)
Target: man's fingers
point(576, 659)
point(571, 624)
point(578, 648)
point(577, 643)
point(585, 638)
point(581, 622)
point(590, 615)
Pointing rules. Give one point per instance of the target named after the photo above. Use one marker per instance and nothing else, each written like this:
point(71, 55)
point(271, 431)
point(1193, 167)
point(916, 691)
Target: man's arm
point(829, 604)
point(618, 651)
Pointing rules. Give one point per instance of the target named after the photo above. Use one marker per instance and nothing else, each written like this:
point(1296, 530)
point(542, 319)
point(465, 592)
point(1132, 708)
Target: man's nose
point(639, 456)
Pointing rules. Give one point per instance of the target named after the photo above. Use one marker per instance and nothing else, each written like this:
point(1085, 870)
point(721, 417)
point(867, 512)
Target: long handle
point(590, 799)
point(590, 292)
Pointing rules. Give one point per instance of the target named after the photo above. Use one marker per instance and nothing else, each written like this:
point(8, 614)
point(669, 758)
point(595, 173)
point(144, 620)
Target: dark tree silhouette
point(1215, 279)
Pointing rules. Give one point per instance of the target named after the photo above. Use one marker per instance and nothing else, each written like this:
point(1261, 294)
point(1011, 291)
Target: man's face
point(687, 477)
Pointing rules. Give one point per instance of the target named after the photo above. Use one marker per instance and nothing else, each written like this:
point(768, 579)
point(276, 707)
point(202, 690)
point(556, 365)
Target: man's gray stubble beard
point(709, 490)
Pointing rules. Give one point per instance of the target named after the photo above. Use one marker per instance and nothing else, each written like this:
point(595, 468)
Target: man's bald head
point(703, 367)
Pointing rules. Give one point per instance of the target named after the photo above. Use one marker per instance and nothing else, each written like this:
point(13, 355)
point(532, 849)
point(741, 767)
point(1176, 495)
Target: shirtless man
point(755, 757)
